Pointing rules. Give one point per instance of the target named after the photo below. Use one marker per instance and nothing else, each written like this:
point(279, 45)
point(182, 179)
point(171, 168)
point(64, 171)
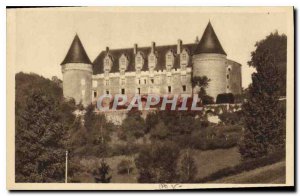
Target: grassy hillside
point(207, 162)
point(274, 173)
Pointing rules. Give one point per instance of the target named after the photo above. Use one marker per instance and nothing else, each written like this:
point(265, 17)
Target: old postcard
point(150, 98)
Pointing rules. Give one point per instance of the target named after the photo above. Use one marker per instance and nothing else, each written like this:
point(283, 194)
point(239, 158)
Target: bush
point(125, 167)
point(225, 98)
point(231, 118)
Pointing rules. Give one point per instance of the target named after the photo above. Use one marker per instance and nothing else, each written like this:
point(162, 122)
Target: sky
point(43, 36)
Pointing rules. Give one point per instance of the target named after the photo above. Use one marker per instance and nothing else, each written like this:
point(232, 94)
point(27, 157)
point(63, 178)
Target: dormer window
point(107, 64)
point(184, 58)
point(139, 62)
point(169, 60)
point(152, 61)
point(123, 63)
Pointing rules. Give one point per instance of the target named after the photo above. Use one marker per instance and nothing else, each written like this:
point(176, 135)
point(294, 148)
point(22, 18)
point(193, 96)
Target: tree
point(275, 45)
point(262, 113)
point(151, 120)
point(40, 146)
point(40, 103)
point(157, 163)
point(133, 125)
point(125, 167)
point(98, 132)
point(102, 174)
point(202, 82)
point(188, 169)
point(160, 131)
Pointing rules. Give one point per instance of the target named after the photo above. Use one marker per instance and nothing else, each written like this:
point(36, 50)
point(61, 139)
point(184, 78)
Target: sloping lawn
point(210, 161)
point(274, 173)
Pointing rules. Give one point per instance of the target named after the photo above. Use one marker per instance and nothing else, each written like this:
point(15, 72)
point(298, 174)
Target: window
point(107, 92)
point(145, 81)
point(95, 83)
point(82, 82)
point(229, 69)
point(169, 79)
point(228, 86)
point(106, 82)
point(139, 90)
point(106, 65)
point(139, 81)
point(122, 61)
point(169, 57)
point(184, 57)
point(122, 91)
point(227, 76)
point(95, 94)
point(184, 88)
point(152, 81)
point(183, 78)
point(138, 59)
point(122, 81)
point(169, 89)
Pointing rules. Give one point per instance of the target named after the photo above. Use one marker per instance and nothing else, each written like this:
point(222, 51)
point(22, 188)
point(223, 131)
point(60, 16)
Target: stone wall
point(234, 81)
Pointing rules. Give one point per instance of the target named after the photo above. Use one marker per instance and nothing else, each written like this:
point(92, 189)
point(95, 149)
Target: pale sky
point(43, 36)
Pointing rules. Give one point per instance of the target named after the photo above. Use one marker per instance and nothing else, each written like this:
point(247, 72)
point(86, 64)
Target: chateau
point(144, 70)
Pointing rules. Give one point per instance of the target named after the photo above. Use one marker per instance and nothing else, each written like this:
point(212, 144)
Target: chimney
point(107, 49)
point(179, 46)
point(153, 47)
point(135, 49)
point(197, 40)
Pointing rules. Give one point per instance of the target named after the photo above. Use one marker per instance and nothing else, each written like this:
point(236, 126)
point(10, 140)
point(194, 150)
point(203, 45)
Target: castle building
point(150, 70)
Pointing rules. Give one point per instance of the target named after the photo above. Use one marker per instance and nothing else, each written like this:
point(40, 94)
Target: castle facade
point(150, 70)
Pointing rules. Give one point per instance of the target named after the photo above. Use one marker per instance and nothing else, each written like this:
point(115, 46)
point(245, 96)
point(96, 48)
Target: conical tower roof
point(76, 53)
point(209, 42)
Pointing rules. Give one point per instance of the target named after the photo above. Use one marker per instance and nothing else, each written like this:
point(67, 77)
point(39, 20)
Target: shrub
point(225, 98)
point(160, 131)
point(231, 118)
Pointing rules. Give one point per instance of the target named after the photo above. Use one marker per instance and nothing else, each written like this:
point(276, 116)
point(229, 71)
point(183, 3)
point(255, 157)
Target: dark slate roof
point(209, 42)
point(159, 50)
point(76, 53)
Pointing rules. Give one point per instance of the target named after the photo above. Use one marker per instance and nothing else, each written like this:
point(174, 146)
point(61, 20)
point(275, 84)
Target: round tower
point(77, 74)
point(209, 59)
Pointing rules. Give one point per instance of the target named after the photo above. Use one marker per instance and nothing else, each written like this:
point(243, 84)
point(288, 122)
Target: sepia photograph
point(150, 98)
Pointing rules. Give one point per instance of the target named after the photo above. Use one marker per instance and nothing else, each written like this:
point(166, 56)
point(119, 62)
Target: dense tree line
point(264, 116)
point(43, 124)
